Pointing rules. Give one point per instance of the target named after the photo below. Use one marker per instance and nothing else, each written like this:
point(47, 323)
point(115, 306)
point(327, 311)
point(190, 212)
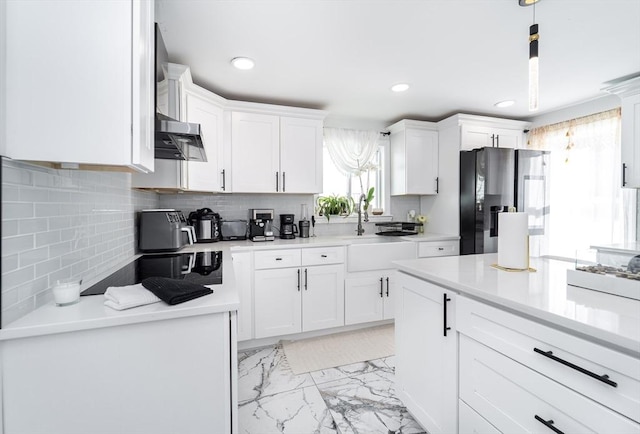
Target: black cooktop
point(204, 268)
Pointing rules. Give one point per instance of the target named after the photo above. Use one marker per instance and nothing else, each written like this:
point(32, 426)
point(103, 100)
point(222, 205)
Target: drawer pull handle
point(548, 424)
point(603, 378)
point(440, 248)
point(323, 256)
point(387, 287)
point(298, 280)
point(278, 259)
point(381, 291)
point(305, 279)
point(445, 299)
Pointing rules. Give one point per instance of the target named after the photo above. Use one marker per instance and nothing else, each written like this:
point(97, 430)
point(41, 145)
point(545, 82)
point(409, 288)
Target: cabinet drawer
point(517, 337)
point(470, 422)
point(276, 259)
point(323, 255)
point(438, 248)
point(510, 396)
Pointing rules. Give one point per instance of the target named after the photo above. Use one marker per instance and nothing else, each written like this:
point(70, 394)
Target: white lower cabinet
point(514, 398)
point(242, 272)
point(293, 294)
point(426, 354)
point(470, 422)
point(369, 296)
point(428, 249)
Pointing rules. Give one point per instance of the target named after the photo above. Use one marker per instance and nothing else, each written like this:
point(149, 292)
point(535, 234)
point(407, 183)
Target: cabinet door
point(205, 176)
point(84, 102)
point(301, 155)
point(323, 297)
point(363, 299)
point(242, 274)
point(255, 153)
point(277, 302)
point(426, 359)
point(631, 141)
point(422, 162)
point(474, 136)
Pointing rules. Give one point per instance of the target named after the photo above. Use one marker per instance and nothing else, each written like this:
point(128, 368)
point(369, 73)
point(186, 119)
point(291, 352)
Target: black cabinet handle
point(387, 287)
point(437, 184)
point(277, 179)
point(624, 174)
point(305, 279)
point(604, 378)
point(278, 259)
point(493, 137)
point(497, 140)
point(224, 184)
point(444, 307)
point(323, 256)
point(381, 291)
point(284, 182)
point(548, 424)
point(298, 280)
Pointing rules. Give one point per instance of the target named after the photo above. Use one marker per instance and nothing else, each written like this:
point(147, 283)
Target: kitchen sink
point(377, 253)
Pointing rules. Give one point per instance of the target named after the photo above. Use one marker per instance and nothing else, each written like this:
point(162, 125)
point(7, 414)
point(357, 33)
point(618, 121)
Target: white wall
point(604, 103)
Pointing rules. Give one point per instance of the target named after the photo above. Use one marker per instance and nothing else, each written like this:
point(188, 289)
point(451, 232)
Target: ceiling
point(457, 55)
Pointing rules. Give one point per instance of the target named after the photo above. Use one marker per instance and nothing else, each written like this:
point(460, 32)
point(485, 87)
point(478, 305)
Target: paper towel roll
point(513, 240)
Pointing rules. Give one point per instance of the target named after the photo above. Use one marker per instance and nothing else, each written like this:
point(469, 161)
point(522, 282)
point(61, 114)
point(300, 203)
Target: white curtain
point(353, 152)
point(588, 206)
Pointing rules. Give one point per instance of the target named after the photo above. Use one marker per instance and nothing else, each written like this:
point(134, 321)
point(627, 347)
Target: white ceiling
point(457, 55)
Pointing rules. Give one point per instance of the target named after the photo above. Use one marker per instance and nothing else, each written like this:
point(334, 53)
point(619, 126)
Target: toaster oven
point(233, 230)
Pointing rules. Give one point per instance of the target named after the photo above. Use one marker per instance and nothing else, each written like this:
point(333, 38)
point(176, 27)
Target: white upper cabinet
point(276, 149)
point(255, 153)
point(194, 105)
point(478, 136)
point(629, 92)
point(79, 82)
point(414, 158)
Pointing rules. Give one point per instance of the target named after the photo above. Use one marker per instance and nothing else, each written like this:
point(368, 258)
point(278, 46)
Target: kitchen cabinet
point(242, 266)
point(414, 158)
point(195, 105)
point(81, 100)
point(428, 249)
point(369, 296)
point(272, 153)
point(298, 290)
point(545, 368)
point(426, 353)
point(629, 93)
point(123, 378)
point(479, 136)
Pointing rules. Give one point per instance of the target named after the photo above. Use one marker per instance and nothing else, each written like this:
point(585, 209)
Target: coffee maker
point(288, 229)
point(260, 225)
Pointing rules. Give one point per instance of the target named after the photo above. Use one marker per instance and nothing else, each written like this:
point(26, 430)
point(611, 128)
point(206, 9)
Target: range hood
point(175, 140)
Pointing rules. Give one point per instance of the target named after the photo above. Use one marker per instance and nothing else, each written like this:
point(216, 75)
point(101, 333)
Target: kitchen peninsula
point(479, 348)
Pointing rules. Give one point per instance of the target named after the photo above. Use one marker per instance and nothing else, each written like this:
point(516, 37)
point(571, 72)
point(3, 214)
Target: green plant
point(368, 198)
point(335, 205)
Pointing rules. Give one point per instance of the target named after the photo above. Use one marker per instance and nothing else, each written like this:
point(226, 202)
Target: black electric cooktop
point(204, 268)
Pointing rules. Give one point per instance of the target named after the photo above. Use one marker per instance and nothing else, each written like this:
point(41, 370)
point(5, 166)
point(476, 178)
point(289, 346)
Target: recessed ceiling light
point(242, 62)
point(400, 87)
point(507, 103)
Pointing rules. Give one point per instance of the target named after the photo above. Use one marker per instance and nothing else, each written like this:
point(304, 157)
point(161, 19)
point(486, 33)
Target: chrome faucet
point(360, 229)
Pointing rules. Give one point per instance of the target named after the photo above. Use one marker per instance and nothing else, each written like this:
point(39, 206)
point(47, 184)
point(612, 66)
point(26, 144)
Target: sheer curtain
point(352, 151)
point(587, 204)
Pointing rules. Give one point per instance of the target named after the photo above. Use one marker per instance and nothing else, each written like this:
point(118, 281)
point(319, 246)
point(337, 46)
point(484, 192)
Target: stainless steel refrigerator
point(491, 181)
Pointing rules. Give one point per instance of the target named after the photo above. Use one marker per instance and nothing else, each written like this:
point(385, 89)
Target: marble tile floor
point(351, 399)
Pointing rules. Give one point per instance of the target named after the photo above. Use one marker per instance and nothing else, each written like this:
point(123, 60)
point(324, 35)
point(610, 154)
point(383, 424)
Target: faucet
point(360, 229)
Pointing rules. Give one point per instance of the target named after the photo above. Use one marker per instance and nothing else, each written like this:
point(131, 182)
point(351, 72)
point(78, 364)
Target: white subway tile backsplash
point(59, 224)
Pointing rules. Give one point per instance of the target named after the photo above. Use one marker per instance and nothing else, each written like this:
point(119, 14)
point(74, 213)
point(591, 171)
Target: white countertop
point(90, 312)
point(543, 295)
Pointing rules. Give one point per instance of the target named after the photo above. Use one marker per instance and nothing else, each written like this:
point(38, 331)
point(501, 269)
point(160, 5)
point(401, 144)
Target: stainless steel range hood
point(175, 140)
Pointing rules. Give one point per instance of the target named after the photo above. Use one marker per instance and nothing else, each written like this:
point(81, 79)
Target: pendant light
point(533, 57)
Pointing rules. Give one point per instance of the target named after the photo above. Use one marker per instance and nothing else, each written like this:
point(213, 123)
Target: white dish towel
point(126, 297)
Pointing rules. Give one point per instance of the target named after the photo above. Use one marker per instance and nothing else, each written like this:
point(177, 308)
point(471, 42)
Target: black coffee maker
point(288, 229)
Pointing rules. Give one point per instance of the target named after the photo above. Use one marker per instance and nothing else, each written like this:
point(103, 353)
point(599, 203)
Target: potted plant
point(335, 205)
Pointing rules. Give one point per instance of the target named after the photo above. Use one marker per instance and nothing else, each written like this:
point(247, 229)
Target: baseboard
point(253, 344)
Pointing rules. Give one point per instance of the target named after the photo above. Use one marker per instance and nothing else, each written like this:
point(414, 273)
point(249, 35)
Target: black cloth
point(174, 291)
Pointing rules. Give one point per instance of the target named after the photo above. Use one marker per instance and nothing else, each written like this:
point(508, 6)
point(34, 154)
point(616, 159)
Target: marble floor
point(352, 399)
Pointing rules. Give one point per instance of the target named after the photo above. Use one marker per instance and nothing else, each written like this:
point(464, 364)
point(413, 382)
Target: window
point(587, 204)
point(336, 183)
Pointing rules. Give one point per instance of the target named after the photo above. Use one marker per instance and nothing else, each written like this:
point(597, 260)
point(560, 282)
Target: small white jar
point(66, 291)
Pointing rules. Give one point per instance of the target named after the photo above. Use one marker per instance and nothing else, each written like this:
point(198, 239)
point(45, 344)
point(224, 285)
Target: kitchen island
point(150, 369)
point(479, 348)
